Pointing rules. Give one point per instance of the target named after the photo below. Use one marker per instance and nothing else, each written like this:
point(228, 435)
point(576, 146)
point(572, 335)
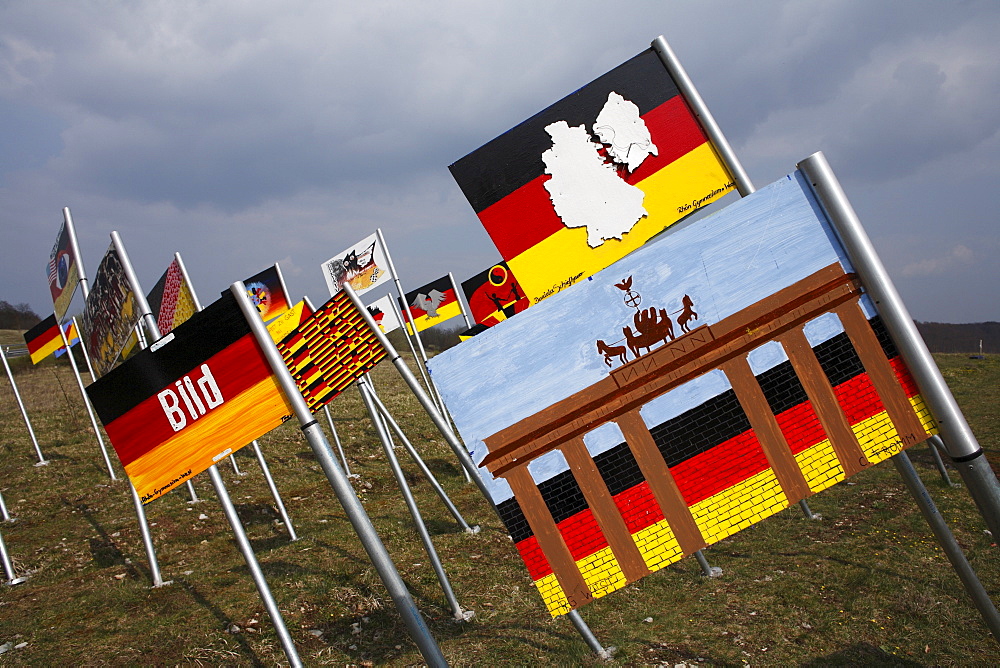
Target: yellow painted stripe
point(46, 350)
point(601, 572)
point(820, 466)
point(657, 545)
point(234, 424)
point(924, 414)
point(445, 312)
point(552, 595)
point(565, 257)
point(739, 506)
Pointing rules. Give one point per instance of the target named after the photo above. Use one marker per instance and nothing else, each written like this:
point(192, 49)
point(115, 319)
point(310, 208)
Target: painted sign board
point(710, 379)
point(592, 177)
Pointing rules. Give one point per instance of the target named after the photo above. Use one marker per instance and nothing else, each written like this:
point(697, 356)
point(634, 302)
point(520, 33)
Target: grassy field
point(865, 585)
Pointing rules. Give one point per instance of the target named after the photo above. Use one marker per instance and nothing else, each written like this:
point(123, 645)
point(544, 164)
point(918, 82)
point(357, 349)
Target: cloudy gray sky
point(242, 133)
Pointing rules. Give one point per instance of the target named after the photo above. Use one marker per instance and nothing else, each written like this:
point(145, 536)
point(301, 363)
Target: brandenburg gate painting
point(710, 379)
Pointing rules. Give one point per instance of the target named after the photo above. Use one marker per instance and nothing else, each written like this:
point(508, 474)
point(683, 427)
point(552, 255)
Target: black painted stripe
point(203, 335)
point(503, 165)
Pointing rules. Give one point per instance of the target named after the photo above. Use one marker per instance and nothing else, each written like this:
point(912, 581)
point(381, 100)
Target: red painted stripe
point(904, 377)
point(534, 558)
point(729, 463)
point(858, 398)
point(638, 507)
point(42, 339)
point(235, 369)
point(582, 534)
point(801, 427)
point(526, 217)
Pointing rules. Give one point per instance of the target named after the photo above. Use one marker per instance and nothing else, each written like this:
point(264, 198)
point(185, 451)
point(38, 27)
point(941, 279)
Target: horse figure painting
point(611, 351)
point(686, 314)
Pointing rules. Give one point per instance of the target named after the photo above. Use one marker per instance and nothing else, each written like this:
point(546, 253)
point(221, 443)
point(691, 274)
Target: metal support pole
point(707, 570)
point(458, 612)
point(588, 636)
point(365, 385)
point(443, 427)
point(341, 486)
point(90, 412)
point(4, 514)
point(704, 116)
point(936, 445)
point(946, 539)
point(254, 566)
point(8, 567)
point(460, 300)
point(236, 469)
point(961, 443)
point(83, 349)
point(20, 404)
point(336, 440)
point(147, 540)
point(807, 511)
point(409, 342)
point(274, 491)
point(421, 361)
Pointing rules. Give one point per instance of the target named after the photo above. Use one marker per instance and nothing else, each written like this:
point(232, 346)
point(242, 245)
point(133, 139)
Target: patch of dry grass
point(865, 585)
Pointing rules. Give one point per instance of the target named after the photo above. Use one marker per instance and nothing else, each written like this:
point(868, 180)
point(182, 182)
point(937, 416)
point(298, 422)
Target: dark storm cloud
point(243, 132)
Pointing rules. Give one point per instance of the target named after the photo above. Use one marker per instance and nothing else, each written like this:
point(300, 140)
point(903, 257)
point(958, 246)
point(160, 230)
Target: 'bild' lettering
point(196, 400)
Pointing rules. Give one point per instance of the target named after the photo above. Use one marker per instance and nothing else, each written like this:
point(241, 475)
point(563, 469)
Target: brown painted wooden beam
point(605, 511)
point(765, 426)
point(824, 401)
point(661, 482)
point(900, 410)
point(549, 539)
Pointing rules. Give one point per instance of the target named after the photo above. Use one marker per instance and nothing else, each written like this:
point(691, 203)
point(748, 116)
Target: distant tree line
point(17, 317)
point(943, 337)
point(436, 339)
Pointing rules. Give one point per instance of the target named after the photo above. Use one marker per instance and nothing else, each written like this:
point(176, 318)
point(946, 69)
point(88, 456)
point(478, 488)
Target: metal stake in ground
point(341, 486)
point(275, 494)
point(449, 436)
point(20, 404)
point(387, 417)
point(459, 613)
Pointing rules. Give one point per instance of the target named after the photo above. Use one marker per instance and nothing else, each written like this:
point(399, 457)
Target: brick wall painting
point(740, 369)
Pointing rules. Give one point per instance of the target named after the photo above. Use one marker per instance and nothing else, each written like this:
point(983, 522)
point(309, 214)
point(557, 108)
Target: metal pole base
point(949, 545)
point(807, 511)
point(15, 581)
point(44, 462)
point(706, 570)
point(589, 637)
point(936, 445)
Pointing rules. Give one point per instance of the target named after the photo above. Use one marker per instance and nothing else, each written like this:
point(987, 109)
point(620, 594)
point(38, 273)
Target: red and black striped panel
point(708, 448)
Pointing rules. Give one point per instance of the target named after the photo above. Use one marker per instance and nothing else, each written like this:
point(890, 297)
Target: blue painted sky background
point(725, 262)
point(241, 133)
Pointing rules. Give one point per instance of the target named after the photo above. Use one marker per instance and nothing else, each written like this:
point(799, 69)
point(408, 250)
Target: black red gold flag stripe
point(505, 179)
point(43, 339)
point(431, 304)
point(192, 398)
point(494, 295)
